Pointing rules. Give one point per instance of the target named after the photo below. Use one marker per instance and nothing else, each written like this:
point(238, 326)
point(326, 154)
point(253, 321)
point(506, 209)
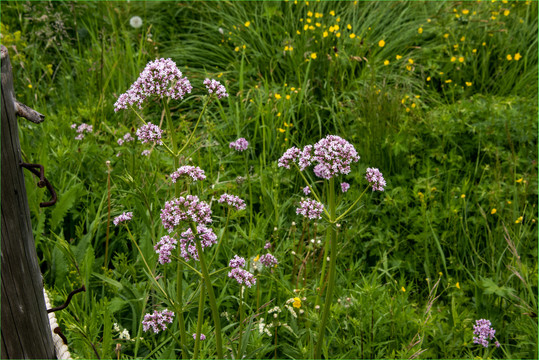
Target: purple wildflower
point(161, 78)
point(332, 156)
point(188, 248)
point(232, 200)
point(242, 276)
point(201, 337)
point(215, 87)
point(483, 331)
point(157, 321)
point(267, 246)
point(239, 145)
point(164, 248)
point(81, 129)
point(188, 208)
point(305, 159)
point(310, 208)
point(345, 186)
point(375, 177)
point(127, 138)
point(306, 190)
point(236, 262)
point(289, 157)
point(126, 216)
point(268, 260)
point(194, 172)
point(145, 153)
point(497, 344)
point(150, 132)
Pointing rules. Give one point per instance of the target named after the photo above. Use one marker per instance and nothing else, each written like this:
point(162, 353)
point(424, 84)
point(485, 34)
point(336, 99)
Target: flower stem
point(199, 320)
point(332, 263)
point(211, 295)
point(194, 129)
point(352, 206)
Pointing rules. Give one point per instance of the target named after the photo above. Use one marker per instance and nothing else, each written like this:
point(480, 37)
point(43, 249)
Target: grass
point(452, 239)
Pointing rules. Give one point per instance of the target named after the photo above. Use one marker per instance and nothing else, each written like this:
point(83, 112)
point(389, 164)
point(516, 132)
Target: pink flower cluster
point(306, 190)
point(188, 208)
point(201, 337)
point(241, 275)
point(127, 138)
point(158, 320)
point(331, 156)
point(187, 241)
point(484, 332)
point(215, 87)
point(345, 186)
point(268, 260)
point(164, 248)
point(150, 133)
point(161, 78)
point(239, 145)
point(81, 129)
point(194, 172)
point(310, 208)
point(375, 177)
point(126, 216)
point(232, 200)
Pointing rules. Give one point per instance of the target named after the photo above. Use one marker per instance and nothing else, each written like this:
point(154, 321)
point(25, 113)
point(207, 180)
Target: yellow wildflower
point(278, 114)
point(453, 58)
point(518, 56)
point(446, 36)
point(349, 27)
point(420, 30)
point(381, 43)
point(311, 27)
point(463, 196)
point(338, 34)
point(463, 38)
point(281, 130)
point(474, 51)
point(325, 34)
point(221, 74)
point(461, 59)
point(410, 61)
point(408, 67)
point(428, 78)
point(310, 14)
point(519, 180)
point(441, 273)
point(352, 35)
point(465, 11)
point(287, 97)
point(256, 258)
point(313, 55)
point(493, 211)
point(519, 220)
point(403, 289)
point(247, 24)
point(458, 285)
point(292, 88)
point(509, 57)
point(332, 13)
point(506, 12)
point(468, 83)
point(398, 57)
point(237, 48)
point(448, 81)
point(30, 86)
point(386, 62)
point(297, 302)
point(278, 96)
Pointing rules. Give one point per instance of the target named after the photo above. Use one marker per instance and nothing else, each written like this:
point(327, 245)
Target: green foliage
point(452, 239)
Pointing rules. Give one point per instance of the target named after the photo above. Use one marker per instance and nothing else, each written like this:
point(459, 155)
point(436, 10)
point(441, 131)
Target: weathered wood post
point(25, 325)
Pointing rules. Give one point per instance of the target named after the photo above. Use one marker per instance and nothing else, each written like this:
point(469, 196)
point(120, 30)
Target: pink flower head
point(126, 216)
point(160, 78)
point(289, 156)
point(215, 87)
point(484, 332)
point(242, 276)
point(310, 208)
point(146, 153)
point(375, 177)
point(306, 190)
point(150, 133)
point(345, 186)
point(332, 156)
point(81, 129)
point(267, 246)
point(202, 336)
point(188, 248)
point(194, 172)
point(127, 138)
point(268, 260)
point(239, 145)
point(164, 248)
point(232, 200)
point(188, 208)
point(236, 262)
point(158, 320)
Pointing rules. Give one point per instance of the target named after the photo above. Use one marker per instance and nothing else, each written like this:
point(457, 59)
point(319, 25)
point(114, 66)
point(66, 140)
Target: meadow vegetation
point(441, 97)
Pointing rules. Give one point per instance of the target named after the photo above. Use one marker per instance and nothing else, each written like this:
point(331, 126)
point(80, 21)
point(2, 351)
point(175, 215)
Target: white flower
point(221, 31)
point(135, 22)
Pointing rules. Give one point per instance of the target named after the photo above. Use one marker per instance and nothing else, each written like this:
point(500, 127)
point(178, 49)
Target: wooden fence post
point(25, 324)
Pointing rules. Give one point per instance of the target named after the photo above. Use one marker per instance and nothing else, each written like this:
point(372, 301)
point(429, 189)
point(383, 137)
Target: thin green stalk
point(194, 129)
point(352, 206)
point(199, 320)
point(222, 238)
point(323, 272)
point(211, 295)
point(250, 196)
point(241, 319)
point(332, 263)
point(311, 188)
